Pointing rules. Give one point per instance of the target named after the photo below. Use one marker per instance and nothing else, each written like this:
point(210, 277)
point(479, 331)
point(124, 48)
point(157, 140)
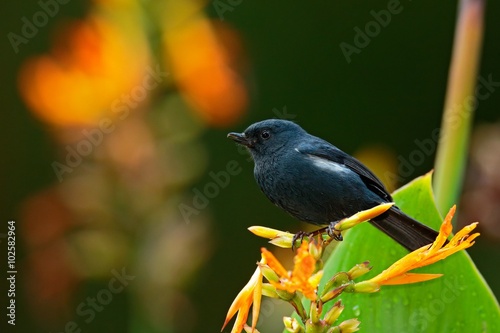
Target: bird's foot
point(299, 236)
point(330, 230)
point(334, 233)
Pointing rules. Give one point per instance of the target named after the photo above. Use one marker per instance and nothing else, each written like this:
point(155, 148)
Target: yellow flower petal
point(257, 297)
point(241, 320)
point(444, 231)
point(463, 235)
point(408, 278)
point(243, 301)
point(265, 232)
point(273, 263)
point(315, 279)
point(362, 216)
point(277, 237)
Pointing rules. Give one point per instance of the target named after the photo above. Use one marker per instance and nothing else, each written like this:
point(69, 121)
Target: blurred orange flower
point(201, 67)
point(90, 66)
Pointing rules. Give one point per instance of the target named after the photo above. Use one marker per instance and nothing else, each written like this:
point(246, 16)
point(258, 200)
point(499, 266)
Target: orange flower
point(302, 278)
point(93, 62)
point(426, 255)
point(201, 64)
point(251, 293)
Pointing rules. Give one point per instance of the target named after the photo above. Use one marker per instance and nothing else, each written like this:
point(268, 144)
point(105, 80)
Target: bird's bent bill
point(240, 138)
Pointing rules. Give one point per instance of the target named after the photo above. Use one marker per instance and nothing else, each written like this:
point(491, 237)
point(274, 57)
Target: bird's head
point(267, 137)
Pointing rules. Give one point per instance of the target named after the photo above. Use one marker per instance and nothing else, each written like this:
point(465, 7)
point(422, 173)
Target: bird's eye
point(265, 135)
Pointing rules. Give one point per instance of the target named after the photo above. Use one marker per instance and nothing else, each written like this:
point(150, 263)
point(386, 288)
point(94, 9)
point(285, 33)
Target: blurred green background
point(229, 63)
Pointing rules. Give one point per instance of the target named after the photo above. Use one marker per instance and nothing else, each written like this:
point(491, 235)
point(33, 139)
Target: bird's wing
point(323, 149)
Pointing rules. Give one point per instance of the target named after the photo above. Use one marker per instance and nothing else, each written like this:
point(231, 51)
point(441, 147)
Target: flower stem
point(459, 105)
point(299, 308)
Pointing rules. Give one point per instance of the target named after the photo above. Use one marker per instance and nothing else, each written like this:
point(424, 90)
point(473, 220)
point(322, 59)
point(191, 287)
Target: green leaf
point(459, 301)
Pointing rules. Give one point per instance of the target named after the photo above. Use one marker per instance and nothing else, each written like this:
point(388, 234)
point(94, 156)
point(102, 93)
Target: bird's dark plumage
point(316, 182)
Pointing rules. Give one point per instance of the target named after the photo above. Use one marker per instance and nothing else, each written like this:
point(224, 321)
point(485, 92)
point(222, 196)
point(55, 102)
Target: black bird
point(316, 182)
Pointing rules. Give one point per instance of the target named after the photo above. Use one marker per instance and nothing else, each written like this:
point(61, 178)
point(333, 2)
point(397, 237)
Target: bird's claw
point(334, 233)
point(299, 236)
point(330, 230)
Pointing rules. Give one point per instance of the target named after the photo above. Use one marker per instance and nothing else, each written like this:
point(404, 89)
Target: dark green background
point(391, 93)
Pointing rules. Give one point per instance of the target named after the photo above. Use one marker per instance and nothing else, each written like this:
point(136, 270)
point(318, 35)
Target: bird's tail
point(405, 230)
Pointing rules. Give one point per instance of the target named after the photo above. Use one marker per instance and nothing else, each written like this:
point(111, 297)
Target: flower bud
point(337, 280)
point(265, 232)
point(292, 325)
point(359, 270)
point(268, 273)
point(332, 294)
point(277, 237)
point(282, 241)
point(365, 287)
point(349, 326)
point(316, 250)
point(285, 295)
point(333, 314)
point(315, 312)
point(269, 290)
